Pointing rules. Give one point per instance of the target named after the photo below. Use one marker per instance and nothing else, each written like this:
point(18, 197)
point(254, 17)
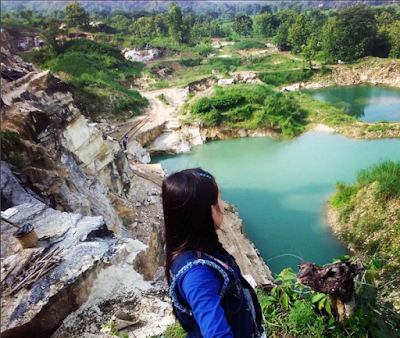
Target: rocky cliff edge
point(98, 220)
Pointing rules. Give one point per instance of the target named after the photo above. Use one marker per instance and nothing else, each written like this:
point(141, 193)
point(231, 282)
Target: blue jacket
point(211, 298)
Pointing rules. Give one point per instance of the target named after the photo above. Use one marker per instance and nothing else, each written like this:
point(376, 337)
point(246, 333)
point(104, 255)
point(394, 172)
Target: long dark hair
point(187, 199)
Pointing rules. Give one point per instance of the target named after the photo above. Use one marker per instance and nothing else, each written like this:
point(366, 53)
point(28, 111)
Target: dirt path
point(156, 113)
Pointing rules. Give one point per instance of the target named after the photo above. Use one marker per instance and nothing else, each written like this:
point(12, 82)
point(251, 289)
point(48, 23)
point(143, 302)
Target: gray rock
point(12, 193)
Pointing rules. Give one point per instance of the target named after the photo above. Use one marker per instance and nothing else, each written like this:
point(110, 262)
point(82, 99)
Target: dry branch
point(37, 268)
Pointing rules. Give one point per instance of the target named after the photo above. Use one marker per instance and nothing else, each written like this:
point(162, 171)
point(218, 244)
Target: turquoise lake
point(365, 102)
point(281, 188)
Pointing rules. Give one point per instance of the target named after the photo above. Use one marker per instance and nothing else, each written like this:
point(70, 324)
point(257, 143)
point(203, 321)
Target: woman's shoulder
point(201, 276)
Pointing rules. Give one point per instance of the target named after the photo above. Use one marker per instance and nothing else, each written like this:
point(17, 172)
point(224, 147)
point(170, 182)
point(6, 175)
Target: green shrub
point(344, 194)
point(159, 85)
point(252, 107)
point(190, 62)
point(224, 64)
point(281, 112)
point(291, 310)
point(39, 57)
point(286, 77)
point(162, 98)
point(325, 70)
point(248, 44)
point(204, 49)
point(220, 102)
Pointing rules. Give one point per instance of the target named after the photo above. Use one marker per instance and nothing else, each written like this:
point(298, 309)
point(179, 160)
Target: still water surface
point(367, 103)
point(281, 188)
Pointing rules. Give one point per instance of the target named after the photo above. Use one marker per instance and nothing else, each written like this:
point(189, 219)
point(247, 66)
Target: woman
point(210, 296)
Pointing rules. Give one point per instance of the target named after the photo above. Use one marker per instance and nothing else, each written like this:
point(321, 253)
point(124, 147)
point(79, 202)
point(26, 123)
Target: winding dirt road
point(156, 113)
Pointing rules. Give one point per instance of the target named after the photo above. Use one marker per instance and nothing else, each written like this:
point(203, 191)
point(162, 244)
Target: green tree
point(120, 22)
point(285, 18)
point(149, 27)
point(215, 29)
point(242, 25)
point(394, 35)
point(175, 23)
point(49, 35)
point(298, 33)
point(349, 35)
point(264, 25)
point(75, 15)
point(308, 54)
point(160, 25)
point(27, 15)
point(265, 9)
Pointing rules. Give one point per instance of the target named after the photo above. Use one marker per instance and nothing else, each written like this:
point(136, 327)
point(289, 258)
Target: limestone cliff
point(369, 71)
point(62, 152)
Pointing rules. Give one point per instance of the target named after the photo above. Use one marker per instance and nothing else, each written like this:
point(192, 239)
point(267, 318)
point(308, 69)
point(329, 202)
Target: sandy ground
point(323, 128)
point(156, 113)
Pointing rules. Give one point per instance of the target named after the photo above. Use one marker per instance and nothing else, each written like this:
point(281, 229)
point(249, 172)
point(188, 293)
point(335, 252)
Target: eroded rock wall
point(372, 71)
point(62, 152)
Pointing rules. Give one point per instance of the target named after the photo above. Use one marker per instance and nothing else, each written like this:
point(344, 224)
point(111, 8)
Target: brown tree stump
point(335, 280)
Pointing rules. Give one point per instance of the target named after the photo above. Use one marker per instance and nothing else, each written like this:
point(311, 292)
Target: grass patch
point(162, 98)
point(159, 85)
point(380, 126)
point(190, 62)
point(387, 176)
point(270, 62)
point(286, 77)
point(323, 112)
point(96, 71)
point(344, 194)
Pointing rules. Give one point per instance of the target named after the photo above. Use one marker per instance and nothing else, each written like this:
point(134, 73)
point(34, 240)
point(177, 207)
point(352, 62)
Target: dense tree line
point(198, 7)
point(329, 35)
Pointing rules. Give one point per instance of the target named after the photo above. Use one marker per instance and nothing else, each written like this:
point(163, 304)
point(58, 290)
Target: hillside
point(366, 217)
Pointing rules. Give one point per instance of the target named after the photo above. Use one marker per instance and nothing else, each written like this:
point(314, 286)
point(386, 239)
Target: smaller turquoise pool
point(364, 102)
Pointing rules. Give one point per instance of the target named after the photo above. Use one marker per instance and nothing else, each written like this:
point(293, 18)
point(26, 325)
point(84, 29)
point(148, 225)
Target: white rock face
point(87, 143)
point(142, 154)
point(223, 82)
point(140, 55)
point(177, 140)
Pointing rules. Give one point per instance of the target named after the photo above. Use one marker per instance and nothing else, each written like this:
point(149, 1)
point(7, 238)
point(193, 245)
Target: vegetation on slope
point(259, 106)
point(251, 106)
point(97, 72)
point(248, 44)
point(286, 77)
point(366, 216)
point(291, 310)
